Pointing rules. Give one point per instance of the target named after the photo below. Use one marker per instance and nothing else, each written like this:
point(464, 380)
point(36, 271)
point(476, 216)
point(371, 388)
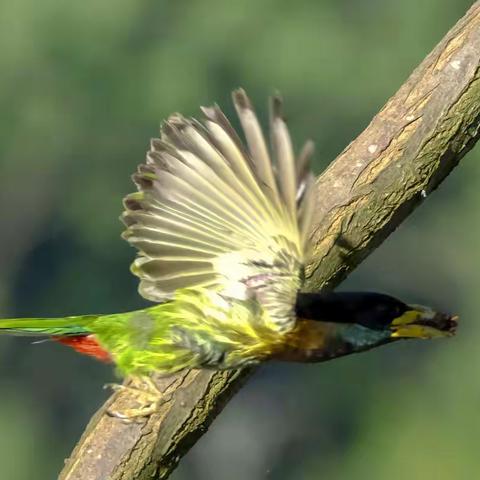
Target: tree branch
point(411, 145)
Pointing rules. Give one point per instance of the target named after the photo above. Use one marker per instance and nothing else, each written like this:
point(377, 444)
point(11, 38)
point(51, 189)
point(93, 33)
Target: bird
point(222, 231)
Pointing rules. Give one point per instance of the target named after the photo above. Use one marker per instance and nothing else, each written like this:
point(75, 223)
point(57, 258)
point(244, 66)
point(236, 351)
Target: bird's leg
point(144, 390)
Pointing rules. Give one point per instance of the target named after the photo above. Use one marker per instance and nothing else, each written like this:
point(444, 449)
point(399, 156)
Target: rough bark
point(410, 146)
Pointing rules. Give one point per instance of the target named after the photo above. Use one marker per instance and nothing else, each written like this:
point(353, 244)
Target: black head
point(372, 310)
point(375, 311)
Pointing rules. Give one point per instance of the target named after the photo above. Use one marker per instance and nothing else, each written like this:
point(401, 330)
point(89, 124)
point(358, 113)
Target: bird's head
point(362, 320)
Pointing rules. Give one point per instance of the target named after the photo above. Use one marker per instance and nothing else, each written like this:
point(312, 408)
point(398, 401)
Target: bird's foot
point(145, 392)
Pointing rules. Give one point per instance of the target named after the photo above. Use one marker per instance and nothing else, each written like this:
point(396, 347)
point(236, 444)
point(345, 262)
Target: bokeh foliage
point(84, 85)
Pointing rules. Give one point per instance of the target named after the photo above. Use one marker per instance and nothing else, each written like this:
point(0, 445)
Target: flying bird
point(222, 228)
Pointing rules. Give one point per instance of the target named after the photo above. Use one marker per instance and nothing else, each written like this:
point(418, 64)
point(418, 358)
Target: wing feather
point(256, 142)
point(283, 152)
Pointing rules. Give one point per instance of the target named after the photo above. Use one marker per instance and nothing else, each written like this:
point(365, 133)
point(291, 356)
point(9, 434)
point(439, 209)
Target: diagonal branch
point(411, 145)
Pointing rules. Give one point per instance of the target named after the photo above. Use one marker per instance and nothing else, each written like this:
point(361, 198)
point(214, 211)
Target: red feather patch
point(86, 344)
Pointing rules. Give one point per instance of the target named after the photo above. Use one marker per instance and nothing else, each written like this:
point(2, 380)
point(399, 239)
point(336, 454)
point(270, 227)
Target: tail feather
point(77, 325)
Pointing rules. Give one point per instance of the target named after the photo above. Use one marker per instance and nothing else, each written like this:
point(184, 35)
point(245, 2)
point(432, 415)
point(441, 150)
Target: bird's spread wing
point(213, 213)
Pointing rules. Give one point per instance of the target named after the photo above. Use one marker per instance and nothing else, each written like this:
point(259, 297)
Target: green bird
point(222, 231)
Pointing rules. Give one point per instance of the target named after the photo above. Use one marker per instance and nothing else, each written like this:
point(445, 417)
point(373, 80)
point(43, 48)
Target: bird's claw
point(134, 415)
point(145, 392)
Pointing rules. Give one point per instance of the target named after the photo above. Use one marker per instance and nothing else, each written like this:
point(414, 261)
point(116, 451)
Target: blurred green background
point(84, 85)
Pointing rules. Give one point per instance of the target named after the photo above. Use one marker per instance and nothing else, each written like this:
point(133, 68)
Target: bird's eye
point(398, 310)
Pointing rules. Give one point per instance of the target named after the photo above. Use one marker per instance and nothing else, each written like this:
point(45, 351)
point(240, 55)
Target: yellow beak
point(423, 322)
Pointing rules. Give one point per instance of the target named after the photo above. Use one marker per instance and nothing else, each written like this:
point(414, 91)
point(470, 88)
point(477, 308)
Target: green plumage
point(198, 328)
